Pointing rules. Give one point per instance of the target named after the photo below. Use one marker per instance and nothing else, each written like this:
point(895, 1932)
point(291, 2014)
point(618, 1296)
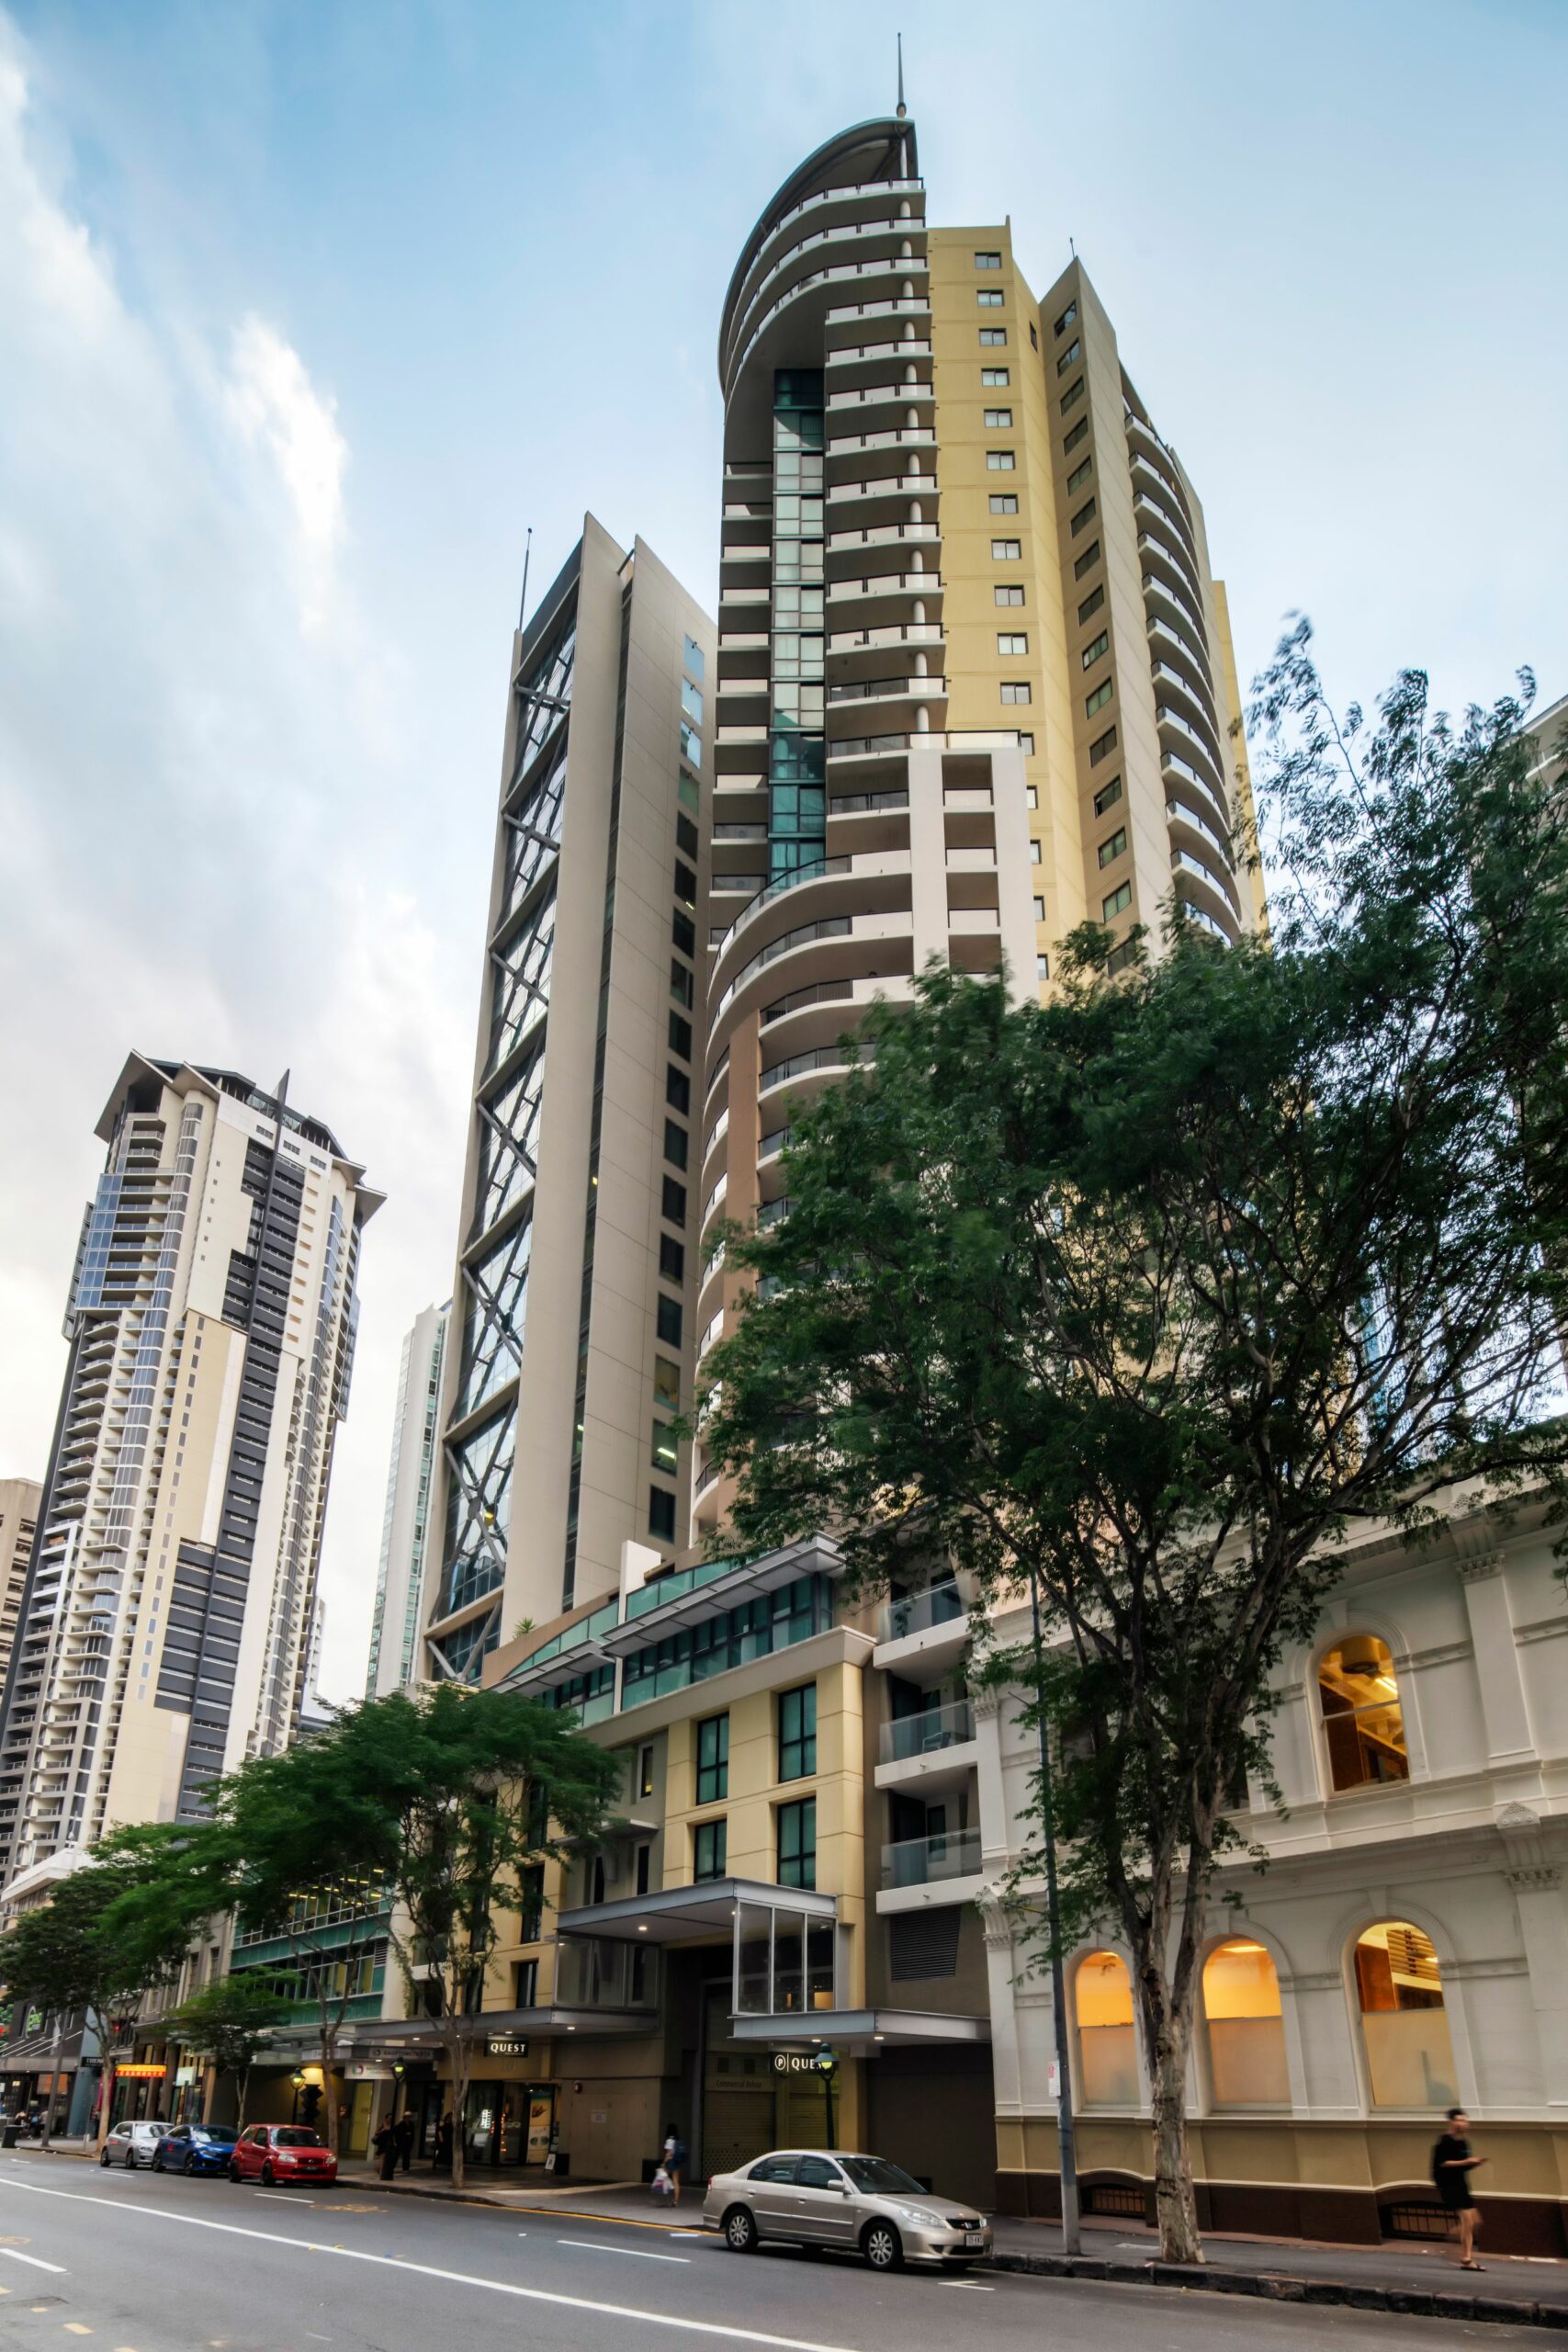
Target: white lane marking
point(286, 2196)
point(33, 2261)
point(637, 2253)
point(969, 2286)
point(451, 2278)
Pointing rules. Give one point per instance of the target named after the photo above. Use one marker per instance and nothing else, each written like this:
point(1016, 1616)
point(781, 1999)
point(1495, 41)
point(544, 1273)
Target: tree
point(1140, 1301)
point(230, 2022)
point(69, 1953)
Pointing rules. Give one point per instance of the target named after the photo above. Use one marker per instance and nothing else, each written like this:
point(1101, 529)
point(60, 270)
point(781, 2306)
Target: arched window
point(1108, 2049)
point(1362, 1721)
point(1410, 2057)
point(1246, 2032)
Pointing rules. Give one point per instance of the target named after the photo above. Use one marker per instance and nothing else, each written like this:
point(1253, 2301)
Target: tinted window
point(210, 2139)
point(289, 2137)
point(880, 2177)
point(816, 2172)
point(773, 2168)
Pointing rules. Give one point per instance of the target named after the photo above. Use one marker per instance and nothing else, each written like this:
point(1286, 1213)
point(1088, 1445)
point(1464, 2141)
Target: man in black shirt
point(1452, 2165)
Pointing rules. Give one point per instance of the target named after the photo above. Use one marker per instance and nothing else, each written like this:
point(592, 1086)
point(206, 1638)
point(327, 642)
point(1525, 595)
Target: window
point(710, 1844)
point(1039, 909)
point(672, 1201)
point(1033, 335)
point(1006, 550)
point(1405, 2027)
point(644, 1868)
point(665, 1451)
point(1043, 967)
point(1087, 561)
point(1011, 641)
point(1247, 2032)
point(1103, 747)
point(999, 419)
point(797, 1733)
point(525, 1990)
point(1091, 603)
point(999, 461)
point(683, 987)
point(1078, 476)
point(667, 1383)
point(1362, 1721)
point(1084, 516)
point(686, 790)
point(1107, 795)
point(994, 378)
point(531, 1903)
point(690, 744)
point(1068, 357)
point(677, 1088)
point(1004, 502)
point(680, 1035)
point(645, 1769)
point(1065, 321)
point(712, 1760)
point(1077, 434)
point(987, 261)
point(1108, 2049)
point(691, 701)
point(683, 932)
point(1121, 899)
point(989, 300)
point(1113, 846)
point(1071, 398)
point(797, 1843)
point(662, 1514)
point(674, 1144)
point(685, 884)
point(1032, 794)
point(667, 1321)
point(1008, 595)
point(1092, 653)
point(692, 655)
point(672, 1259)
point(1098, 700)
point(686, 834)
point(993, 338)
point(1015, 690)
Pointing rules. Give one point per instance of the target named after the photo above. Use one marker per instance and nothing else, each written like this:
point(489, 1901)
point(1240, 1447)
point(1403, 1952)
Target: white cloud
point(273, 405)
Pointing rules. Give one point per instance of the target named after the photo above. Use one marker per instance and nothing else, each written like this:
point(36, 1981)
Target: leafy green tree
point(230, 2022)
point(1138, 1303)
point(69, 1953)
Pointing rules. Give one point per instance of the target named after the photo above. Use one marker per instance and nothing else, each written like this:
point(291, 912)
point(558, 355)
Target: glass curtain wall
point(796, 743)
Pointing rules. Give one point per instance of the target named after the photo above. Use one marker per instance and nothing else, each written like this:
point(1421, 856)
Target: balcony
point(856, 355)
point(928, 1751)
point(927, 1629)
point(950, 1862)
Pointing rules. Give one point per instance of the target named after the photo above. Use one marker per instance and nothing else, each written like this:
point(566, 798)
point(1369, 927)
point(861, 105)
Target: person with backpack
point(674, 2161)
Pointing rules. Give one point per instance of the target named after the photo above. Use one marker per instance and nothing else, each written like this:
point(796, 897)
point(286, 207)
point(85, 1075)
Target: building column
point(1537, 1884)
point(1503, 1705)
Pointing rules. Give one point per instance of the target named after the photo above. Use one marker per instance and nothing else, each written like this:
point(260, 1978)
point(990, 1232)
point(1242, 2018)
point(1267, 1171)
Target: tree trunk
point(105, 2096)
point(329, 2098)
point(245, 2092)
point(1175, 2205)
point(459, 2105)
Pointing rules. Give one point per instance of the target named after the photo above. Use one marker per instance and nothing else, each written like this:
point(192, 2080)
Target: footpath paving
point(1416, 2280)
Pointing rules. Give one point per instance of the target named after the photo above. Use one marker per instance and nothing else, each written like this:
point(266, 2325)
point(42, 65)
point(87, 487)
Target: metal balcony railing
point(927, 1861)
point(916, 1612)
point(929, 1733)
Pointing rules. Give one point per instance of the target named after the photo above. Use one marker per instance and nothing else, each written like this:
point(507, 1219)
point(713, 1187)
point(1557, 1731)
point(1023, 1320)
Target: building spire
point(523, 600)
point(903, 109)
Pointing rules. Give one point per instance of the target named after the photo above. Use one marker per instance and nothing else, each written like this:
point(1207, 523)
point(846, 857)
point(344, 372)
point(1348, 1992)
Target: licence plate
point(974, 2237)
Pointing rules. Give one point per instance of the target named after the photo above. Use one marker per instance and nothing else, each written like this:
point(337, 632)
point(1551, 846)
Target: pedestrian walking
point(405, 2134)
point(444, 2143)
point(674, 2161)
point(386, 2146)
point(1452, 2165)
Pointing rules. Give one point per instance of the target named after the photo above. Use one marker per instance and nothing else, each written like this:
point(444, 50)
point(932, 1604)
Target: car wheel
point(882, 2245)
point(189, 2164)
point(266, 2175)
point(103, 2160)
point(158, 2161)
point(131, 2160)
point(234, 2171)
point(740, 2231)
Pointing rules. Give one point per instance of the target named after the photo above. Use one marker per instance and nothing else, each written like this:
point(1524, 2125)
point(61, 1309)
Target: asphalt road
point(141, 2263)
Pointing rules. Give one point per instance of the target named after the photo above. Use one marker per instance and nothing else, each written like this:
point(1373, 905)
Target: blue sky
point(311, 309)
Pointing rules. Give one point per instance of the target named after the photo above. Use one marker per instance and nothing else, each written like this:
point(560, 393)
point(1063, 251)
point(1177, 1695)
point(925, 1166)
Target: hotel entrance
point(506, 2125)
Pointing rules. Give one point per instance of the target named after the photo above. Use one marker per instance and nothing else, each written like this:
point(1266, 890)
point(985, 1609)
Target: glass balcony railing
point(605, 1973)
point(916, 1612)
point(927, 1861)
point(927, 1733)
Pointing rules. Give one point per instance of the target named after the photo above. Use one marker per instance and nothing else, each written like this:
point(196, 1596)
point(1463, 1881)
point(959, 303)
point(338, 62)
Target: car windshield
point(216, 2139)
point(291, 2138)
point(881, 2179)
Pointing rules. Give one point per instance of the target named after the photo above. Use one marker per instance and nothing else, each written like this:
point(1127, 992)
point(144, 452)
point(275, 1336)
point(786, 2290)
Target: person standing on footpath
point(404, 2132)
point(1452, 2165)
point(674, 2162)
point(386, 2146)
point(443, 2142)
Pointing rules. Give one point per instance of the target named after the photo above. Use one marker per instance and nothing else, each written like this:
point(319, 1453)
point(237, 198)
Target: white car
point(133, 2143)
point(862, 2204)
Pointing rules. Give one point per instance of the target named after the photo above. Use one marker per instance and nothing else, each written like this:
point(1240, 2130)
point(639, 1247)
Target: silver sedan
point(133, 2143)
point(862, 2204)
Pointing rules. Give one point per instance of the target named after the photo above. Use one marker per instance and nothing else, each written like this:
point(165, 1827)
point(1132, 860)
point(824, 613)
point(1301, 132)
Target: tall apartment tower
point(19, 1500)
point(406, 1546)
point(574, 1285)
point(975, 678)
point(165, 1621)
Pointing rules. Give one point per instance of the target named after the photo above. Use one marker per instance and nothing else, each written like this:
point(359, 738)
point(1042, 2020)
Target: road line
point(431, 2271)
point(34, 2261)
point(969, 2286)
point(632, 2252)
point(285, 2197)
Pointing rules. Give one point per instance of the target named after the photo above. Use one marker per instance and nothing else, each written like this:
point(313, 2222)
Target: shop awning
point(683, 1914)
point(865, 2031)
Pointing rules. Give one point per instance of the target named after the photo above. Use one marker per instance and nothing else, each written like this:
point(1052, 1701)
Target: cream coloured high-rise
point(19, 1500)
point(163, 1631)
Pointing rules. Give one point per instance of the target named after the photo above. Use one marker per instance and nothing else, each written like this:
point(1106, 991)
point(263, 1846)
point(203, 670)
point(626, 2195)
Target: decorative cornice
point(1479, 1566)
point(1439, 1653)
point(1465, 1972)
point(1322, 1979)
point(1541, 1629)
point(1539, 1879)
point(986, 1702)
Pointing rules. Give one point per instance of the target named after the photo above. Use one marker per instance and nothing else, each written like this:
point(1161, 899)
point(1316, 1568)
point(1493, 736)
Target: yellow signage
point(141, 2074)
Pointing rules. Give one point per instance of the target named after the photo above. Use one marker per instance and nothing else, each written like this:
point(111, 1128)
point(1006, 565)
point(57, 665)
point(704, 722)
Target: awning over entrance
point(684, 1914)
point(420, 2037)
point(862, 2032)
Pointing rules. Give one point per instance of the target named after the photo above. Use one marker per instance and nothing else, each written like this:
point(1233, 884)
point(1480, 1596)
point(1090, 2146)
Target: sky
point(309, 311)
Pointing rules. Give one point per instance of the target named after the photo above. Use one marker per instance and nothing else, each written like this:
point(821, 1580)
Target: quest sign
point(796, 2062)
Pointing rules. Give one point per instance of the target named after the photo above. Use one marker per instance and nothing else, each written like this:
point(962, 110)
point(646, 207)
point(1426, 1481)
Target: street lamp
point(1066, 2136)
point(826, 2065)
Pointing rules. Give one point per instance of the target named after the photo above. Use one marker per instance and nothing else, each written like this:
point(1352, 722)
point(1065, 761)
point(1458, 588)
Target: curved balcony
point(855, 651)
point(869, 401)
point(821, 886)
point(1174, 640)
point(864, 551)
point(1154, 519)
point(1201, 885)
point(850, 451)
point(862, 950)
point(1177, 734)
point(807, 1064)
point(1150, 482)
point(896, 702)
point(884, 597)
point(1174, 689)
point(808, 304)
point(1145, 443)
point(846, 366)
point(881, 499)
point(880, 239)
point(903, 198)
point(1183, 815)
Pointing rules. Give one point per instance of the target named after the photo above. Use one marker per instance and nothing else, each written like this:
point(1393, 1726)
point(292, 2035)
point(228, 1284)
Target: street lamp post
point(828, 2067)
point(1066, 2137)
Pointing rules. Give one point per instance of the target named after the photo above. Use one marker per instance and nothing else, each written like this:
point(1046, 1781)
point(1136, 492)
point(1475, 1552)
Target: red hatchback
point(281, 2153)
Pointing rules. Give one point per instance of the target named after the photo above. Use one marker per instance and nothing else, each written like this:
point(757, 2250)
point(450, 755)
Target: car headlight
point(923, 2218)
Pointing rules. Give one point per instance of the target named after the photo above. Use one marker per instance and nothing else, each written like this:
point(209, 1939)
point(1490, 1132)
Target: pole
point(1065, 2138)
point(53, 2078)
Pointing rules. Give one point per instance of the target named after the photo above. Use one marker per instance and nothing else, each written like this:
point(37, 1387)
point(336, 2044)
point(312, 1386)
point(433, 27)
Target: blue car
point(195, 2147)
